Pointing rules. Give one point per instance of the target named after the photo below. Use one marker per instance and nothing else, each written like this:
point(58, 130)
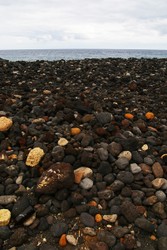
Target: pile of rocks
point(83, 154)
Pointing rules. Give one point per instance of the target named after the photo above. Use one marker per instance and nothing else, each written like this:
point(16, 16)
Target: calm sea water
point(68, 54)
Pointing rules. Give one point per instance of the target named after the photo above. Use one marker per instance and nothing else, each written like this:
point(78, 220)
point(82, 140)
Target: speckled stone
point(59, 175)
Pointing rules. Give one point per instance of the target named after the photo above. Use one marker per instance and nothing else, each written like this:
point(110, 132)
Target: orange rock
point(129, 116)
point(63, 241)
point(12, 157)
point(149, 115)
point(98, 218)
point(152, 129)
point(92, 203)
point(152, 237)
point(75, 131)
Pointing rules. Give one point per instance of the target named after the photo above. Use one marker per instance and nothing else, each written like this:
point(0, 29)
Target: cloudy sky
point(56, 24)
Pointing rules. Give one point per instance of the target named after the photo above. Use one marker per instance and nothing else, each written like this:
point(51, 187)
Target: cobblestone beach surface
point(83, 154)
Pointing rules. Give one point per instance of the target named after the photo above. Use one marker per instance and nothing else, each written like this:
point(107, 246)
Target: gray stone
point(103, 154)
point(58, 153)
point(135, 169)
point(161, 196)
point(86, 183)
point(104, 117)
point(122, 163)
point(125, 176)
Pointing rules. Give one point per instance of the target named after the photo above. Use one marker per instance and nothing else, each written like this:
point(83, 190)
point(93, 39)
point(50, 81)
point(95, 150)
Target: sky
point(79, 24)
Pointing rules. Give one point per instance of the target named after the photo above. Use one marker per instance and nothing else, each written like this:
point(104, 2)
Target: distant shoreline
point(73, 54)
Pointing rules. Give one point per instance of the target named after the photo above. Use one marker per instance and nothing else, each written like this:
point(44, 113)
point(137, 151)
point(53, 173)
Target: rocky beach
point(83, 154)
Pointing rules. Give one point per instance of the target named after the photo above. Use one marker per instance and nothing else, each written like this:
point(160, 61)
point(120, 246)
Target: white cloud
point(83, 24)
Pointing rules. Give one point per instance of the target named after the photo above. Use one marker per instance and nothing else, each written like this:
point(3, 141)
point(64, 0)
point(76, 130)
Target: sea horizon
point(77, 54)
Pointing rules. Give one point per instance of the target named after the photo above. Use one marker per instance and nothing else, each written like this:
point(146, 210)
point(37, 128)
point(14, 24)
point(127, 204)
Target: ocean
point(74, 54)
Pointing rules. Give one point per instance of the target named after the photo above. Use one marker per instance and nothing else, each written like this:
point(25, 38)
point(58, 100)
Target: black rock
point(145, 224)
point(107, 237)
point(162, 243)
point(18, 237)
point(128, 209)
point(162, 229)
point(87, 219)
point(58, 229)
point(5, 233)
point(43, 224)
point(20, 205)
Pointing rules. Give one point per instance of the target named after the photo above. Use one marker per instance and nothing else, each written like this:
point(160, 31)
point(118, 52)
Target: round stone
point(135, 169)
point(86, 183)
point(161, 196)
point(122, 162)
point(126, 154)
point(34, 157)
point(5, 123)
point(62, 142)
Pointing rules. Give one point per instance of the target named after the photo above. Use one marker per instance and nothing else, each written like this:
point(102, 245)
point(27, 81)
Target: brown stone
point(158, 183)
point(128, 209)
point(157, 170)
point(151, 200)
point(146, 169)
point(59, 175)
